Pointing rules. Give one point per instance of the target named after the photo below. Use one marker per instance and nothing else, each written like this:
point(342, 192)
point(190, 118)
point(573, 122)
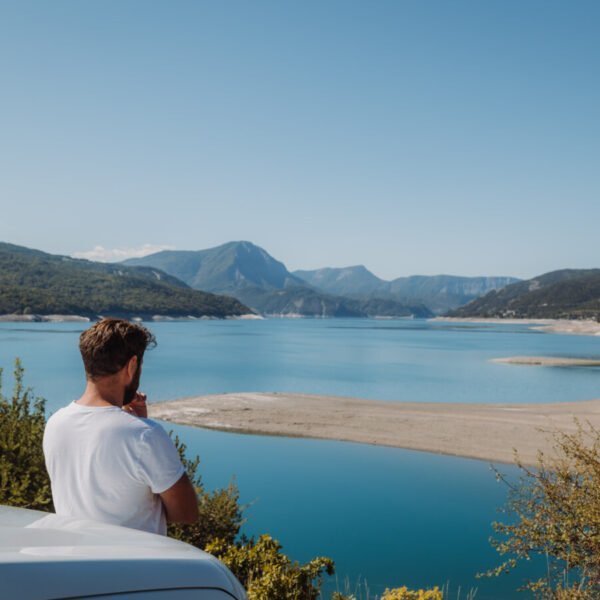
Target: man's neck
point(96, 394)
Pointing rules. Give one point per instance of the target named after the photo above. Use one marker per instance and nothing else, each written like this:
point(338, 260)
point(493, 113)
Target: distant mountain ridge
point(303, 301)
point(35, 282)
point(247, 272)
point(439, 293)
point(351, 281)
point(563, 294)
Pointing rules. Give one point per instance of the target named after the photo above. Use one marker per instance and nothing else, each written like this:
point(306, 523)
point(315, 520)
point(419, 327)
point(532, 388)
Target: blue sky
point(410, 136)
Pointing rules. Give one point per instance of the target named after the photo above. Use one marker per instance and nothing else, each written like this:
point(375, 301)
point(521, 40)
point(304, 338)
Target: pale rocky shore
point(80, 319)
point(483, 431)
point(548, 361)
point(43, 319)
point(566, 326)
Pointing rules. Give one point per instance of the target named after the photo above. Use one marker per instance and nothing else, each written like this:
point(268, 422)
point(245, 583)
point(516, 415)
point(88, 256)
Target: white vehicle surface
point(47, 557)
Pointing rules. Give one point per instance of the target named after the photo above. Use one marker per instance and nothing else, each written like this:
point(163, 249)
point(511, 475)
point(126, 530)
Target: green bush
point(24, 480)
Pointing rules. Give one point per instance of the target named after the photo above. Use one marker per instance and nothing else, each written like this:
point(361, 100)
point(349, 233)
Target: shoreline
point(481, 431)
point(560, 326)
point(44, 319)
point(563, 326)
point(547, 361)
point(15, 318)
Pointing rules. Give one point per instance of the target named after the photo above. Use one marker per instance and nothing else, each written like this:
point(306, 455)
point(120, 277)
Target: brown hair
point(107, 346)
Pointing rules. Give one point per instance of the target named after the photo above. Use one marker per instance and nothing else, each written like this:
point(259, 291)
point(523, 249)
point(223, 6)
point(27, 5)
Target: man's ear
point(132, 366)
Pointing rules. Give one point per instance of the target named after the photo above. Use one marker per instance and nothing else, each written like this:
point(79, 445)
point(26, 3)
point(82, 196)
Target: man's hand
point(137, 406)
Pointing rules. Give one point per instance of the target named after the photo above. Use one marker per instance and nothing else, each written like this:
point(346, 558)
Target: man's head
point(114, 347)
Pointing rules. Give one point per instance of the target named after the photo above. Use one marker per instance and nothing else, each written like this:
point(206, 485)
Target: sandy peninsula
point(482, 431)
point(565, 326)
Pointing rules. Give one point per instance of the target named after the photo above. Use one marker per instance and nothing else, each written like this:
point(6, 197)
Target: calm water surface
point(386, 515)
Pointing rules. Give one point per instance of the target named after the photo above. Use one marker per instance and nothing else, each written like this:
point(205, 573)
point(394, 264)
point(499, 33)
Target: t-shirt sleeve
point(159, 464)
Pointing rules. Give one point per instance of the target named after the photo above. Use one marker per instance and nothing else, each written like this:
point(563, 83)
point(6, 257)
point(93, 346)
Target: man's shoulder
point(126, 425)
point(152, 429)
point(110, 418)
point(61, 414)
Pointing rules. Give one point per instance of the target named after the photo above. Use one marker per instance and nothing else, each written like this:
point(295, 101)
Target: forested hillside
point(34, 282)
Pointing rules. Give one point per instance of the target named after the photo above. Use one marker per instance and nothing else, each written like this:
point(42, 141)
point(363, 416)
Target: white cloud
point(102, 254)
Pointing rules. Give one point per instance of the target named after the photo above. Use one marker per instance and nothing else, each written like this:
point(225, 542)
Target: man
point(107, 461)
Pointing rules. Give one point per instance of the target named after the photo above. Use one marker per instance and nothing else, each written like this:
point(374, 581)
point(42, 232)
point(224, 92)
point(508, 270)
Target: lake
point(386, 516)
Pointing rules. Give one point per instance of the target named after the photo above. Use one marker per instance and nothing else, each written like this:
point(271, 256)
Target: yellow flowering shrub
point(403, 593)
point(268, 574)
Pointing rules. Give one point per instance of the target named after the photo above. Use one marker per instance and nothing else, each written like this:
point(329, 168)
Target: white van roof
point(43, 555)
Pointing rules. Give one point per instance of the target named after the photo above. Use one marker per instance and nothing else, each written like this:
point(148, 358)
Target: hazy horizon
point(412, 138)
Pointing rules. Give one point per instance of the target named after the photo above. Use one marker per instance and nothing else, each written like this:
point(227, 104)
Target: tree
point(555, 513)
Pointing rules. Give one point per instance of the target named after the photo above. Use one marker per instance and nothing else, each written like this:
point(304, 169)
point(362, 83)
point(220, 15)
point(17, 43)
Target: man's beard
point(131, 390)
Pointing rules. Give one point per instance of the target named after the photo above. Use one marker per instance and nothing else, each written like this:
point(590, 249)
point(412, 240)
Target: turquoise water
point(386, 515)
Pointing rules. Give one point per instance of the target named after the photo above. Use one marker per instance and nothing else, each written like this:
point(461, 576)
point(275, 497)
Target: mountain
point(223, 269)
point(34, 282)
point(565, 294)
point(444, 292)
point(248, 273)
point(440, 293)
point(349, 281)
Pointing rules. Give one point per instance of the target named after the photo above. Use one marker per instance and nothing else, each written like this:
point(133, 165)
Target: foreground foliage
point(404, 593)
point(555, 510)
point(24, 480)
point(267, 573)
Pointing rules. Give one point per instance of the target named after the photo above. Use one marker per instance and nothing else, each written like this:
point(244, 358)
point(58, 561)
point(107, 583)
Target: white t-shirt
point(108, 465)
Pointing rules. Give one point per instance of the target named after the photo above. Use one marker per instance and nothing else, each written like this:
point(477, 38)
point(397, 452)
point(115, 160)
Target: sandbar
point(487, 432)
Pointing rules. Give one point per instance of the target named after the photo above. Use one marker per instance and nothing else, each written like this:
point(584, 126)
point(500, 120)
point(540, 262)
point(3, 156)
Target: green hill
point(34, 282)
point(248, 273)
point(565, 294)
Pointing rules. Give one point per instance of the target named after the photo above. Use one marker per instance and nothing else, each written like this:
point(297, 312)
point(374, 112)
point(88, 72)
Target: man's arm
point(180, 502)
